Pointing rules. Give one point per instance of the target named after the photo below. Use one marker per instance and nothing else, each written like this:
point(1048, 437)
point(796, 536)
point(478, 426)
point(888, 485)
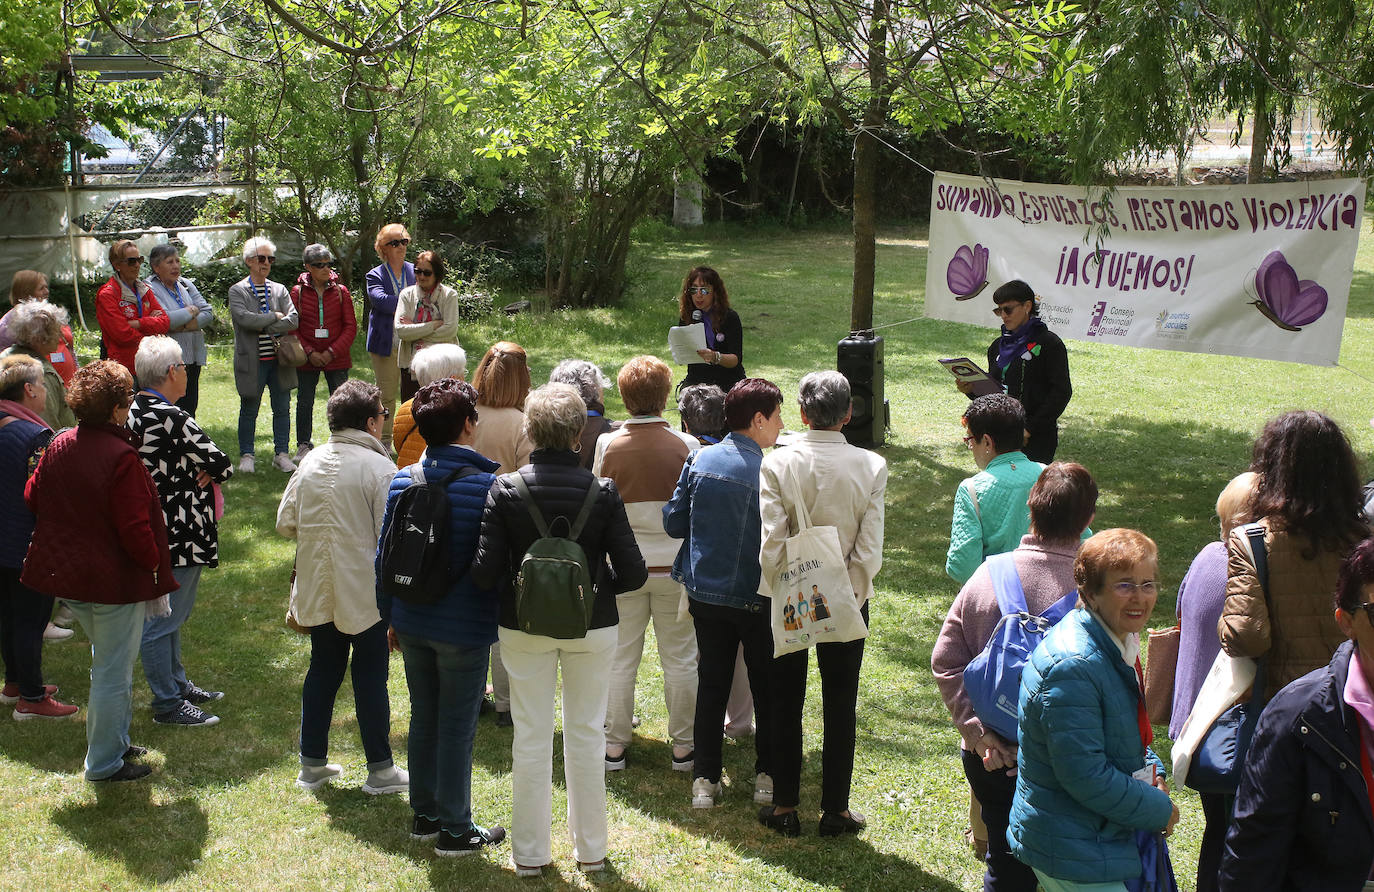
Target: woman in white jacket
point(333, 507)
point(426, 313)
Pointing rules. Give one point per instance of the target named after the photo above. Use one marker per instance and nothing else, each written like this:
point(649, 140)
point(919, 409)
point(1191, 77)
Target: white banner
point(1260, 271)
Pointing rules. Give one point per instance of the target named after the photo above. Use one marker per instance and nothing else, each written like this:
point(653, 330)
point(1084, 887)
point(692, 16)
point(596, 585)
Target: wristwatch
point(717, 357)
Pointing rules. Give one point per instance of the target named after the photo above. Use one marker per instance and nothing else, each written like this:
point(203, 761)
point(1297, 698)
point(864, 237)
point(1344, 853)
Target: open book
point(965, 369)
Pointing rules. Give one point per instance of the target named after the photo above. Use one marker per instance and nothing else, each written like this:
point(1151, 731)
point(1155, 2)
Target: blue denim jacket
point(715, 508)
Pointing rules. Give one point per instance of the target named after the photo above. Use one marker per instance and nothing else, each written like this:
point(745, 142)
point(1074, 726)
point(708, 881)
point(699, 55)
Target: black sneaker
point(135, 752)
point(474, 840)
point(129, 771)
point(199, 696)
point(188, 715)
point(424, 828)
point(503, 719)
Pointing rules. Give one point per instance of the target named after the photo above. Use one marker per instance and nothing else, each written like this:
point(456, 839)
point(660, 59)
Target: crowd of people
point(694, 530)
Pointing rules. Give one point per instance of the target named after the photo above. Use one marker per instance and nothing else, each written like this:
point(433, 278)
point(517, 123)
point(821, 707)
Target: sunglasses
point(320, 265)
point(1006, 309)
point(700, 289)
point(1368, 609)
point(969, 441)
point(265, 258)
point(385, 413)
point(133, 261)
point(423, 272)
point(398, 243)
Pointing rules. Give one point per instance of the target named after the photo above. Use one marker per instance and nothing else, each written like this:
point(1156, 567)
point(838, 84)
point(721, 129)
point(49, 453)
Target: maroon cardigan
point(99, 534)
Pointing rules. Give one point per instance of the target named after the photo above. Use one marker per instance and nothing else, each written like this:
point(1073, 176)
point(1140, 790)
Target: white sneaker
point(312, 777)
point(302, 451)
point(64, 616)
point(56, 633)
point(246, 463)
point(704, 793)
point(389, 780)
point(282, 462)
point(763, 789)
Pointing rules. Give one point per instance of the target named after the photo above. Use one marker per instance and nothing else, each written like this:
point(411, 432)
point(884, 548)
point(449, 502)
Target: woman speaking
point(1031, 363)
point(703, 299)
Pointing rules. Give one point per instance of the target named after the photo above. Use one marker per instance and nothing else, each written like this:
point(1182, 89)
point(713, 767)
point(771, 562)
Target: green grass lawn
point(1161, 431)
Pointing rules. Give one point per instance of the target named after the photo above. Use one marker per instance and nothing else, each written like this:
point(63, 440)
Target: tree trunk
point(866, 173)
point(687, 199)
point(1259, 133)
point(367, 222)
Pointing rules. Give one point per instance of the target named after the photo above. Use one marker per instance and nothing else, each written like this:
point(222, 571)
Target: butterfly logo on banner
point(1282, 298)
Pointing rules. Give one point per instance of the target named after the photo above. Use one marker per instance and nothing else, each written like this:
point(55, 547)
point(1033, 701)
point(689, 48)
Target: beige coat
point(333, 508)
point(1301, 634)
point(414, 336)
point(841, 485)
point(501, 438)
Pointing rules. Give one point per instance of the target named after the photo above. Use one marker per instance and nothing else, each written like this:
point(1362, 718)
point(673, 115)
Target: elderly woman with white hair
point(555, 485)
point(261, 309)
point(328, 328)
point(841, 486)
point(183, 462)
point(173, 291)
point(591, 383)
point(36, 327)
point(430, 365)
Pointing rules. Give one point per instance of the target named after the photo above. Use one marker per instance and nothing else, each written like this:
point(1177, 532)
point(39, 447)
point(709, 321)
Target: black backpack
point(554, 595)
point(414, 549)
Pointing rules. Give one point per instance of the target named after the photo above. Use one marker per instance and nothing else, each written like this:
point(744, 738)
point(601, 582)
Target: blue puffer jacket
point(467, 614)
point(1302, 819)
point(1077, 807)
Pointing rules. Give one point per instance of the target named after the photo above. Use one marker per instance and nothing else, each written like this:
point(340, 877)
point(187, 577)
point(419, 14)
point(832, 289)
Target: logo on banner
point(1109, 321)
point(967, 273)
point(1173, 326)
point(1288, 303)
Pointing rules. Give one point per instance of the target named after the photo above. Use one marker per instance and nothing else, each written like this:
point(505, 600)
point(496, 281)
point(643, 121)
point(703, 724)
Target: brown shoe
point(47, 708)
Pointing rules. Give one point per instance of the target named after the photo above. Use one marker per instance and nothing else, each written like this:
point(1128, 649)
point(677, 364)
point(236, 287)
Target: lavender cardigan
point(1200, 598)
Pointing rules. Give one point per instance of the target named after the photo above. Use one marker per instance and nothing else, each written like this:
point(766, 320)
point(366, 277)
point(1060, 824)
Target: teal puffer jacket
point(1077, 807)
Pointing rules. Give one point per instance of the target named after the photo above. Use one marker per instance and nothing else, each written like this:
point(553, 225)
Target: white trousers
point(532, 663)
point(677, 654)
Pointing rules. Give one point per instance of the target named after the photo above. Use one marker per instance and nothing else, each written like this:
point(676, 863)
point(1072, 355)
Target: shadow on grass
point(156, 842)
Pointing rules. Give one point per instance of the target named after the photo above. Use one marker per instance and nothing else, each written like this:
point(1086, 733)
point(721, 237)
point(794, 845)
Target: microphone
point(696, 315)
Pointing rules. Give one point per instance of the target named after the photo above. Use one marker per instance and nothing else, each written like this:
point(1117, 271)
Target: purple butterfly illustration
point(967, 274)
point(1288, 303)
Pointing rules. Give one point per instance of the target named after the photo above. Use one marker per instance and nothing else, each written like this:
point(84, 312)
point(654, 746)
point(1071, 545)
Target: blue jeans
point(447, 682)
point(309, 379)
point(281, 410)
point(114, 631)
point(329, 652)
point(161, 647)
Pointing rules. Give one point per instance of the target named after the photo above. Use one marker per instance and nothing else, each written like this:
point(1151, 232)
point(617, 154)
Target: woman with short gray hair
point(854, 482)
point(175, 292)
point(702, 409)
point(590, 382)
point(428, 366)
point(36, 326)
point(329, 325)
point(261, 309)
point(555, 485)
point(184, 464)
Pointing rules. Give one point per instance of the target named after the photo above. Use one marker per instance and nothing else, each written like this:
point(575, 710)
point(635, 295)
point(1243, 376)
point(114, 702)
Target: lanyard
point(158, 395)
point(173, 293)
point(319, 294)
point(397, 285)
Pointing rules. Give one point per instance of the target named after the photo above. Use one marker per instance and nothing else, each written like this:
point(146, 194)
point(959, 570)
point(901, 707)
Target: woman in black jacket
point(1033, 366)
point(704, 299)
point(558, 485)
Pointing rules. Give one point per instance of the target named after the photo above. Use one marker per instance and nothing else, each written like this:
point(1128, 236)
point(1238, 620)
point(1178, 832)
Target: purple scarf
point(1013, 343)
point(18, 410)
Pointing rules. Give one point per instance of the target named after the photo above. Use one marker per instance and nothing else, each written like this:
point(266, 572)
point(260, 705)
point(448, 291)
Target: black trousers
point(720, 632)
point(1041, 447)
point(994, 791)
point(24, 614)
point(1216, 813)
point(191, 400)
point(839, 664)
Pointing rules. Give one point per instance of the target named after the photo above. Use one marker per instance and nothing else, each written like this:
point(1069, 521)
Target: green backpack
point(553, 590)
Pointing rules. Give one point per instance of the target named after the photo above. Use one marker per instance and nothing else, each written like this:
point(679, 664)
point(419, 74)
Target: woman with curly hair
point(704, 299)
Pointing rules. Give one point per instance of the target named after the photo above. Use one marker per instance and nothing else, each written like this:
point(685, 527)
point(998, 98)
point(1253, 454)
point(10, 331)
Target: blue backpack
point(993, 678)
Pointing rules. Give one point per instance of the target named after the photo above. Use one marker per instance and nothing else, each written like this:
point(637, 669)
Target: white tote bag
point(813, 599)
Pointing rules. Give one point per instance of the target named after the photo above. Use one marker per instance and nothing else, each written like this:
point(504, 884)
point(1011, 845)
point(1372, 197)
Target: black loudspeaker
point(859, 358)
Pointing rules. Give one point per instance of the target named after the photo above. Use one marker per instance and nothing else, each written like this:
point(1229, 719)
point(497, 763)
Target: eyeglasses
point(385, 413)
point(398, 243)
point(1368, 609)
point(700, 289)
point(265, 258)
point(320, 265)
point(969, 441)
point(133, 261)
point(1125, 589)
point(423, 272)
point(177, 365)
point(1006, 309)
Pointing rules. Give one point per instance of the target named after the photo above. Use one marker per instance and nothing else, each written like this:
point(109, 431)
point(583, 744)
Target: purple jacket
point(1200, 598)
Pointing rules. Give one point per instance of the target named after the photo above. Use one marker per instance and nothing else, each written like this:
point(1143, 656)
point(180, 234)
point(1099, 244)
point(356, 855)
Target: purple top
point(1200, 598)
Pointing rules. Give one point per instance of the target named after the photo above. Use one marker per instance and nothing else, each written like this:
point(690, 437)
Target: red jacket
point(339, 320)
point(99, 534)
point(113, 312)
